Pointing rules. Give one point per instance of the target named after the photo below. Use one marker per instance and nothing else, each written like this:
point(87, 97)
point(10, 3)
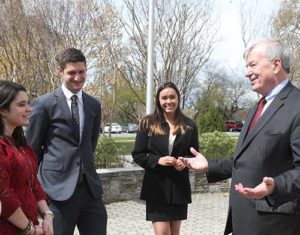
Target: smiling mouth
point(253, 80)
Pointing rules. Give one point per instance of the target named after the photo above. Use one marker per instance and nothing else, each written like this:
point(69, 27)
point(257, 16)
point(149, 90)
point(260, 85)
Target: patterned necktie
point(75, 115)
point(260, 107)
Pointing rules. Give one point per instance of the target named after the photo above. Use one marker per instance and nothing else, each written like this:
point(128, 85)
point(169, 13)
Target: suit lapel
point(63, 106)
point(274, 107)
point(244, 130)
point(87, 112)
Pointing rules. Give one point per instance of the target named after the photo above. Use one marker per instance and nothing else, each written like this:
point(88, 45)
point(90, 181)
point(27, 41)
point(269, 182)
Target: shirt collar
point(276, 90)
point(68, 94)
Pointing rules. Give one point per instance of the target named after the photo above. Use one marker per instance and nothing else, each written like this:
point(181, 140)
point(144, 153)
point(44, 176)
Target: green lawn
point(125, 145)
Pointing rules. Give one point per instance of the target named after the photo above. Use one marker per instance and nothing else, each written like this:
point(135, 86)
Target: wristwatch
point(48, 212)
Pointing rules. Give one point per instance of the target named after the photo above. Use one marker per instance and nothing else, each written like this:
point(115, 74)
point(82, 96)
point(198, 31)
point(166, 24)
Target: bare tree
point(184, 40)
point(286, 26)
point(31, 36)
point(254, 22)
point(219, 90)
point(24, 42)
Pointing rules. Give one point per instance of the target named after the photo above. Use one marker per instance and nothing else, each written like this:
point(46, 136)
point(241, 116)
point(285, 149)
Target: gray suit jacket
point(271, 149)
point(50, 133)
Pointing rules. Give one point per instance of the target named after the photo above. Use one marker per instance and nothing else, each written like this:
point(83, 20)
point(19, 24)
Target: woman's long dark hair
point(153, 121)
point(8, 92)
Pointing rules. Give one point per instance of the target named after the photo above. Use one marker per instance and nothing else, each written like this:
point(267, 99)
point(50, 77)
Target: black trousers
point(83, 210)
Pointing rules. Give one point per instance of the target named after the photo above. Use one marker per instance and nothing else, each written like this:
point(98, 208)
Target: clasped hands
point(199, 162)
point(171, 161)
point(45, 229)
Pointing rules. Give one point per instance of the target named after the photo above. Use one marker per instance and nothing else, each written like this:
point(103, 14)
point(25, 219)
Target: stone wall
point(120, 184)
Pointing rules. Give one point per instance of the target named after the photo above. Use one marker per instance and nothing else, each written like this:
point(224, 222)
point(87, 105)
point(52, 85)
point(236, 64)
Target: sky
point(230, 49)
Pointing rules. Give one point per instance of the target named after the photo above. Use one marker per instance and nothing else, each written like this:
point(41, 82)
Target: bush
point(213, 145)
point(106, 154)
point(212, 120)
point(125, 148)
point(216, 145)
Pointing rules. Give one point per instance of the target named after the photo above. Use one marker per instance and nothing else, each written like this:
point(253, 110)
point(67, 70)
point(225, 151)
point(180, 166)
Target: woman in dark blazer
point(163, 136)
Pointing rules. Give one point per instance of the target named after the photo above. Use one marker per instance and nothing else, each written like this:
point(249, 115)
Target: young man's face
point(74, 76)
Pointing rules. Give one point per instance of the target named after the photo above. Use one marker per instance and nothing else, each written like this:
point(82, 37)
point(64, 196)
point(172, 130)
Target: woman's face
point(168, 100)
point(18, 113)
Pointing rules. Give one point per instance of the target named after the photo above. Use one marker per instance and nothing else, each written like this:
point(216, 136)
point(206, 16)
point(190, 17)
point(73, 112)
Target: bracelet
point(48, 212)
point(28, 227)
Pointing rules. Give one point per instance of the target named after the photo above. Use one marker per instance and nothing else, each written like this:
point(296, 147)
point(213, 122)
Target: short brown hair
point(69, 55)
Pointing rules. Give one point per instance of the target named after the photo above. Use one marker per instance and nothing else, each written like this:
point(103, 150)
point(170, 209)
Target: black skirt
point(165, 212)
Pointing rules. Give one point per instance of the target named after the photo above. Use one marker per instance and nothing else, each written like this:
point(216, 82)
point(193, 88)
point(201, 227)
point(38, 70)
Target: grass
point(125, 145)
point(124, 139)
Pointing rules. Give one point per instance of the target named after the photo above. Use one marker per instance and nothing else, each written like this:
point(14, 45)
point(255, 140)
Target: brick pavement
point(206, 216)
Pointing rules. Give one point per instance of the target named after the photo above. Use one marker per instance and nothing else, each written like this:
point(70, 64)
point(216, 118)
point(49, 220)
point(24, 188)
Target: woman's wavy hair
point(8, 92)
point(152, 122)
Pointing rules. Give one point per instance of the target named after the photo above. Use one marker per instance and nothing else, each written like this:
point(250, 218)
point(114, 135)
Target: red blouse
point(19, 186)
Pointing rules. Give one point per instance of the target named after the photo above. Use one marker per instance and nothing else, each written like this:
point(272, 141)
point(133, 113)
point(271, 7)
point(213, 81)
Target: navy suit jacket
point(59, 152)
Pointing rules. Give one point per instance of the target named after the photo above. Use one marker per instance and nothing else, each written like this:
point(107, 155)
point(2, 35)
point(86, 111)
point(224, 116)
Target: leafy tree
point(210, 121)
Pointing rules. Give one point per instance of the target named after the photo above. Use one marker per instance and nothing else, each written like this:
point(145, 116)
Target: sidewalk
point(206, 216)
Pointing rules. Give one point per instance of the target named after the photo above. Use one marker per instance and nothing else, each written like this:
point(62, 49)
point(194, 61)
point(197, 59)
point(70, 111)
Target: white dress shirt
point(68, 94)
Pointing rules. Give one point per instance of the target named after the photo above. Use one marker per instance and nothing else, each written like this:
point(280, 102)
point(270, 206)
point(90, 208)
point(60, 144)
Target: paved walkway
point(206, 216)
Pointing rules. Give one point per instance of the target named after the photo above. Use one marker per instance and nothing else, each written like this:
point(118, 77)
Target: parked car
point(232, 125)
point(130, 128)
point(115, 128)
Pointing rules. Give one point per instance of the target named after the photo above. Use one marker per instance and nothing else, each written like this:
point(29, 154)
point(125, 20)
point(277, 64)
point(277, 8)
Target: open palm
point(198, 162)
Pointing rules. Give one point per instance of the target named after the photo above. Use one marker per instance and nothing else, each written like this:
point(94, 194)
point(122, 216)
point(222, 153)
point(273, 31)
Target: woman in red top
point(21, 194)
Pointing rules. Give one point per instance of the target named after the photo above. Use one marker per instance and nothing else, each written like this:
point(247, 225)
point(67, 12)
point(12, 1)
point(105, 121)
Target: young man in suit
point(63, 131)
point(265, 170)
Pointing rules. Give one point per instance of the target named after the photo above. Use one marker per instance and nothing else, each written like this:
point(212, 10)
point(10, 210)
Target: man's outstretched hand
point(198, 162)
point(265, 188)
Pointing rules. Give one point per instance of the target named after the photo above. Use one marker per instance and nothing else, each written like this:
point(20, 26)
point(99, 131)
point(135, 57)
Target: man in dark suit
point(63, 131)
point(265, 170)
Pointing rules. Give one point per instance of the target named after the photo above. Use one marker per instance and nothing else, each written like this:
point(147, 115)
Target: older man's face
point(260, 71)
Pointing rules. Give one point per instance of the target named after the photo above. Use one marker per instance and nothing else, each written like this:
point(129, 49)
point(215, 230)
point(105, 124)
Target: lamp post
point(149, 98)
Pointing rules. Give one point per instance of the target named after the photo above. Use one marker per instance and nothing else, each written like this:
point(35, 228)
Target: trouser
point(83, 210)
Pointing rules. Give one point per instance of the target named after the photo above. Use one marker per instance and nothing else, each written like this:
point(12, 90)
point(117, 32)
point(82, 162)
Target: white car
point(115, 128)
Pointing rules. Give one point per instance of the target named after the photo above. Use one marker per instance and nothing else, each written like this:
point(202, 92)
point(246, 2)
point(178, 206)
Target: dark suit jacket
point(164, 184)
point(50, 133)
point(271, 149)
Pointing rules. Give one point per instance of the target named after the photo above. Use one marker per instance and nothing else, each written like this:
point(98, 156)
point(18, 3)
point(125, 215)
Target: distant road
point(122, 135)
point(232, 134)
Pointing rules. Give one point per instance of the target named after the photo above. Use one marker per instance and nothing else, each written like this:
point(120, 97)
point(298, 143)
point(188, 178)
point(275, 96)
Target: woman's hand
point(48, 225)
point(36, 230)
point(167, 161)
point(179, 166)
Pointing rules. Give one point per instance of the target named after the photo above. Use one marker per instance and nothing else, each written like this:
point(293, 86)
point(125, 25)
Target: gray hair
point(274, 49)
